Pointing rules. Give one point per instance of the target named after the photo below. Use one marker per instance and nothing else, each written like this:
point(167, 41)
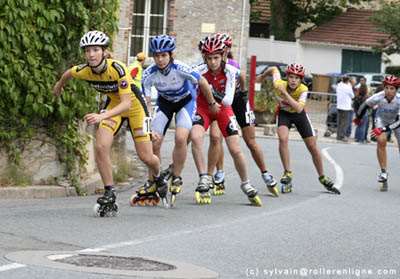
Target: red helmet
point(213, 45)
point(296, 69)
point(225, 38)
point(391, 80)
point(200, 45)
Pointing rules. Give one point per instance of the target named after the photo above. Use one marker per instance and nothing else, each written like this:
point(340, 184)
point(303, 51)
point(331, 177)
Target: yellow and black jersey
point(299, 95)
point(114, 81)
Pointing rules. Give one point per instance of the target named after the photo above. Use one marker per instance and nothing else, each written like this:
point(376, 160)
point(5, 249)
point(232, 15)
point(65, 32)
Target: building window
point(259, 30)
point(149, 19)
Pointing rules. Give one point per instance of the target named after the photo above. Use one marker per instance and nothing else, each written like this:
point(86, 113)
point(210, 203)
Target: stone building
point(188, 20)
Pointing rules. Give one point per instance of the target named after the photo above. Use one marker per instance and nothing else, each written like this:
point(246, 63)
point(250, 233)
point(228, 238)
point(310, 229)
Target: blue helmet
point(162, 43)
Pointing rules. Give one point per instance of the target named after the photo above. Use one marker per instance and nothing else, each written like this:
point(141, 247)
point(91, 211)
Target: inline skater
point(387, 103)
point(175, 83)
point(125, 103)
point(292, 96)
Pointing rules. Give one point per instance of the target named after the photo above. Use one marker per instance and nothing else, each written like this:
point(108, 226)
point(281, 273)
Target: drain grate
point(117, 262)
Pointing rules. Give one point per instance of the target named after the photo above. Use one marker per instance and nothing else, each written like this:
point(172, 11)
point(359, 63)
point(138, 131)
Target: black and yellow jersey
point(299, 94)
point(114, 81)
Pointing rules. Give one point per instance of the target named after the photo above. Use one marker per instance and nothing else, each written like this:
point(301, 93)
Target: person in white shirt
point(345, 95)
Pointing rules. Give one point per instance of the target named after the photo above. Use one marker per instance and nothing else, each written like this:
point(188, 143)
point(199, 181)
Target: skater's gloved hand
point(357, 121)
point(377, 132)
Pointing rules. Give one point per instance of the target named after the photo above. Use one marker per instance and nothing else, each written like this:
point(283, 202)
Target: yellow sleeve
point(303, 95)
point(80, 71)
point(279, 82)
point(124, 79)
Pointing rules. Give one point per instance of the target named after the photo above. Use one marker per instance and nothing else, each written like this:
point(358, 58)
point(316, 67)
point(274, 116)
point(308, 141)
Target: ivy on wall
point(39, 40)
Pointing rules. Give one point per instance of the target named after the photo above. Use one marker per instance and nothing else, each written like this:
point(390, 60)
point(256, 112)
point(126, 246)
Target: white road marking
point(338, 169)
point(11, 266)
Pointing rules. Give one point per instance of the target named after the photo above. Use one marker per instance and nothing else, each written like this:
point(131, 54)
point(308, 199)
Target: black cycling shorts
point(241, 108)
point(299, 120)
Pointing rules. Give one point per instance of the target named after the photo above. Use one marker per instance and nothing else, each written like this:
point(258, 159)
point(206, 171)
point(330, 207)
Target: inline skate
point(175, 188)
point(106, 206)
point(202, 196)
point(328, 184)
point(382, 179)
point(286, 182)
point(219, 183)
point(271, 183)
point(251, 193)
point(146, 195)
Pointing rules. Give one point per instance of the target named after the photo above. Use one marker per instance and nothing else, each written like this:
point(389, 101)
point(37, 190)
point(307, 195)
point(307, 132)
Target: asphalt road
point(320, 235)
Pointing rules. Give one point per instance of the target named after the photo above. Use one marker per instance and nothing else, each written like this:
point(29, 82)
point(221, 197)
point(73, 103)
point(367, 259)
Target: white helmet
point(94, 38)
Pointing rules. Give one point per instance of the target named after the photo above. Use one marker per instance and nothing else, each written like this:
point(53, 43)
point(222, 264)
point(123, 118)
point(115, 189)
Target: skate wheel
point(114, 211)
point(197, 197)
point(132, 201)
point(286, 188)
point(274, 191)
point(384, 187)
point(141, 202)
point(96, 209)
point(149, 202)
point(256, 201)
point(165, 202)
point(173, 200)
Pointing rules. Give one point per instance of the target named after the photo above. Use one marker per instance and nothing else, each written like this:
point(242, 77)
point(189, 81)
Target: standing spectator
point(353, 82)
point(361, 96)
point(136, 69)
point(345, 94)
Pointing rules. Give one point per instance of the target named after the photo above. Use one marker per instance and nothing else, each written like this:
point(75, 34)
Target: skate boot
point(175, 188)
point(167, 173)
point(271, 183)
point(145, 195)
point(219, 180)
point(162, 190)
point(328, 184)
point(106, 206)
point(251, 193)
point(382, 179)
point(286, 182)
point(201, 194)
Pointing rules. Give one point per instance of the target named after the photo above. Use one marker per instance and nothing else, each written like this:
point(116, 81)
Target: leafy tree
point(388, 20)
point(288, 15)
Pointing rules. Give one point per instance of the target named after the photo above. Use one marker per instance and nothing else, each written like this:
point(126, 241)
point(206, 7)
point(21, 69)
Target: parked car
point(262, 66)
point(373, 79)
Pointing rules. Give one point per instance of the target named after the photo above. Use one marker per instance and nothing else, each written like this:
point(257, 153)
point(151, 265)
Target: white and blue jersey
point(387, 112)
point(174, 84)
point(176, 87)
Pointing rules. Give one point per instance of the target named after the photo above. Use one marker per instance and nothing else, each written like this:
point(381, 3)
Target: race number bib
point(146, 125)
point(233, 124)
point(250, 117)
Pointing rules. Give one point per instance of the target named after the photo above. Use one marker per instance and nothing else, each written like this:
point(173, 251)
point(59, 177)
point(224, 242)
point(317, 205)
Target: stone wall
point(186, 19)
point(121, 39)
point(193, 18)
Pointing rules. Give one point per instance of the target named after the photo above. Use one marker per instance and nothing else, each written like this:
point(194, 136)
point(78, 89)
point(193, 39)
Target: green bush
point(265, 100)
point(393, 70)
point(39, 40)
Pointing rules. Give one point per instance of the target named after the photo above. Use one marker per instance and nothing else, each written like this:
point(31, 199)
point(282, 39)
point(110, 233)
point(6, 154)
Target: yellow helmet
point(141, 56)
